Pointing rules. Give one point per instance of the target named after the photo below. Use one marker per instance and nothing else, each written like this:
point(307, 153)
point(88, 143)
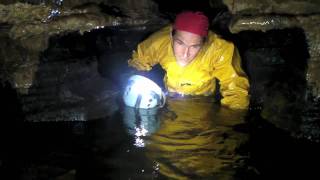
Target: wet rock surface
point(275, 15)
point(64, 78)
point(307, 23)
point(31, 25)
point(256, 7)
point(71, 93)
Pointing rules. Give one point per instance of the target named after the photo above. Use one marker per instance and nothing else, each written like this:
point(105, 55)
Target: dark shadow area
point(275, 61)
point(10, 132)
point(169, 8)
point(115, 48)
point(274, 153)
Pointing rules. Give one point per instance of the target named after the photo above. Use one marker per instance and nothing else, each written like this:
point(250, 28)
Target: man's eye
point(179, 42)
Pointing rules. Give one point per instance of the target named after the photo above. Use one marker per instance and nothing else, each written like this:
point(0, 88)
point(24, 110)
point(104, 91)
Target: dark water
point(188, 139)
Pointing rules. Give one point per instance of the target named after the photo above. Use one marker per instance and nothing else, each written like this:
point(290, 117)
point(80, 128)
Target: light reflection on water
point(190, 139)
point(198, 142)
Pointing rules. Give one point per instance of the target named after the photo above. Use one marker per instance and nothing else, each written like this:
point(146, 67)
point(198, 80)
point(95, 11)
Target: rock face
point(68, 86)
point(32, 25)
point(281, 16)
point(270, 15)
point(256, 7)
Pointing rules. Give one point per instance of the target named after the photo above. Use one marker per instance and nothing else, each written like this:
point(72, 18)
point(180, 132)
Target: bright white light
point(149, 91)
point(156, 167)
point(143, 86)
point(139, 142)
point(141, 131)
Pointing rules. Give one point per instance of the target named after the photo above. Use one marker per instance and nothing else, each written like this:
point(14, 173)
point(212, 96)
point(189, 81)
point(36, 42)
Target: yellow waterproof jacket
point(217, 59)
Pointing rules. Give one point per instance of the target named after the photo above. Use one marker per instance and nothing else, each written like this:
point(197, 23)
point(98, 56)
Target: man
point(194, 58)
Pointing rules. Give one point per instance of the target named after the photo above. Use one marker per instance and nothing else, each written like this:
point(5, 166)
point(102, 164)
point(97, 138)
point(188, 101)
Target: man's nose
point(186, 52)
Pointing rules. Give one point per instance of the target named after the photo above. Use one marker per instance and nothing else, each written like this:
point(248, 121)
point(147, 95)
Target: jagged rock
point(31, 20)
point(275, 14)
point(31, 25)
point(256, 7)
point(307, 23)
point(263, 23)
point(69, 92)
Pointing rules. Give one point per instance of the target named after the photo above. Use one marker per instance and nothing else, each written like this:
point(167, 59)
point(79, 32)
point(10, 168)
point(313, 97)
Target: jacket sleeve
point(145, 56)
point(234, 83)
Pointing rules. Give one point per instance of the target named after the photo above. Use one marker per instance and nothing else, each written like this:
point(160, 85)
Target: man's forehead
point(188, 37)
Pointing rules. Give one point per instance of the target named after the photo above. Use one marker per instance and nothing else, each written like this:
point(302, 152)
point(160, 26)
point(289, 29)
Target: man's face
point(186, 46)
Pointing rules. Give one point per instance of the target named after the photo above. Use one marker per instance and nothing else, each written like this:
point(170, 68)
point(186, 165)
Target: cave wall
point(29, 26)
point(289, 102)
point(51, 53)
point(268, 15)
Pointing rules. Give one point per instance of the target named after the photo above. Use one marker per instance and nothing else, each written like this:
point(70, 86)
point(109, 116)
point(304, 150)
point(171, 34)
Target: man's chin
point(182, 63)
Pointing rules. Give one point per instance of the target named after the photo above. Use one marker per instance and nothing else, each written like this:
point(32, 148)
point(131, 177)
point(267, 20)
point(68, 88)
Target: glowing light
point(139, 142)
point(140, 132)
point(149, 93)
point(142, 88)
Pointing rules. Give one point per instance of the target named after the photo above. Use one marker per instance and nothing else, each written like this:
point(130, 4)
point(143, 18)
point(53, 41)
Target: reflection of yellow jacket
point(218, 59)
point(200, 143)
